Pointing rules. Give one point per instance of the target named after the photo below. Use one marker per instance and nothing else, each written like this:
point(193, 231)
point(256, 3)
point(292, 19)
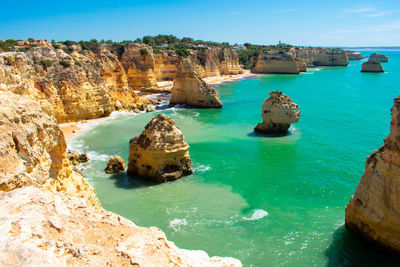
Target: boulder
point(190, 89)
point(77, 158)
point(160, 153)
point(374, 210)
point(377, 57)
point(278, 112)
point(115, 165)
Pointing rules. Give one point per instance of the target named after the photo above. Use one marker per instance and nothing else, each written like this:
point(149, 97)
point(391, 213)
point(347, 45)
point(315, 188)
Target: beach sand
point(72, 129)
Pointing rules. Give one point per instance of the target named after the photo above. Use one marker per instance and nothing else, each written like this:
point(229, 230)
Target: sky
point(306, 23)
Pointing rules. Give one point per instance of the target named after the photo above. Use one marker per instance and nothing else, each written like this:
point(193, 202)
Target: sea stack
point(372, 65)
point(378, 57)
point(190, 89)
point(115, 165)
point(374, 210)
point(160, 153)
point(278, 112)
point(352, 55)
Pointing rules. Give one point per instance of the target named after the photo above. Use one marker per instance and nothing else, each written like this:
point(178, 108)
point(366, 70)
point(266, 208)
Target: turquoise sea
point(268, 201)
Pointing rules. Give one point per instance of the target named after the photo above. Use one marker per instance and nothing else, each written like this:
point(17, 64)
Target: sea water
point(268, 201)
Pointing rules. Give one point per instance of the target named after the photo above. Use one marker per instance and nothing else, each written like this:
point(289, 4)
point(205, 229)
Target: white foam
point(175, 224)
point(257, 214)
point(202, 169)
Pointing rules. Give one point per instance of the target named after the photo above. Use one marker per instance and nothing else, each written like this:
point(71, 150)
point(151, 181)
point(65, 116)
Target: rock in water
point(190, 89)
point(278, 112)
point(378, 57)
point(76, 157)
point(372, 66)
point(352, 55)
point(160, 153)
point(374, 209)
point(115, 165)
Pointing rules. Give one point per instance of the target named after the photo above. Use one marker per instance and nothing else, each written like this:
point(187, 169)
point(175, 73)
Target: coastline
point(73, 129)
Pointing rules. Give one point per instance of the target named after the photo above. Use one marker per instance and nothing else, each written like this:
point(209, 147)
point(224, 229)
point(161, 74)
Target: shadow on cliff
point(349, 249)
point(123, 180)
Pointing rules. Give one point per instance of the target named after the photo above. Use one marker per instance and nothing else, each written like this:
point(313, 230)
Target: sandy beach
point(72, 129)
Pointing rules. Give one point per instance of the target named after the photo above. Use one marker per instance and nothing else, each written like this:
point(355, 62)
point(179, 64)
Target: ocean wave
point(176, 224)
point(202, 168)
point(257, 214)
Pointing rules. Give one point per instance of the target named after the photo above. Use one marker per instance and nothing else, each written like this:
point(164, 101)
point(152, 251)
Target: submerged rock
point(190, 89)
point(160, 153)
point(278, 112)
point(374, 210)
point(377, 57)
point(115, 165)
point(76, 157)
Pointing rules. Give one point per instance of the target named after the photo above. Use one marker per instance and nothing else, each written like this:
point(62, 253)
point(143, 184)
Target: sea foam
point(257, 214)
point(175, 224)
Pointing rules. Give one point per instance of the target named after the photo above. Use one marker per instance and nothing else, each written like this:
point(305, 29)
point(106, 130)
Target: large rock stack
point(190, 89)
point(278, 112)
point(160, 153)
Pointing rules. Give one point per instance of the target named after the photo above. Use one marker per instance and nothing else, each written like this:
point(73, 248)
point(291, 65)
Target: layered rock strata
point(190, 89)
point(279, 62)
point(321, 56)
point(278, 112)
point(374, 210)
point(352, 55)
point(115, 165)
point(160, 153)
point(377, 57)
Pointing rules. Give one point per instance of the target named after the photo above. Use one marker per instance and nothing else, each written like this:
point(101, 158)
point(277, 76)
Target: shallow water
point(268, 201)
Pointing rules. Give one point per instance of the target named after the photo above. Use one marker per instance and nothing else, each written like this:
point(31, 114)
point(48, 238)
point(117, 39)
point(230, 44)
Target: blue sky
point(315, 23)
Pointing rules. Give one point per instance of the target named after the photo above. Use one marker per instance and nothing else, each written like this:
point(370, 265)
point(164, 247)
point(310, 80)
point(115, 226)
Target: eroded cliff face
point(352, 55)
point(190, 89)
point(321, 56)
point(374, 210)
point(279, 62)
point(32, 150)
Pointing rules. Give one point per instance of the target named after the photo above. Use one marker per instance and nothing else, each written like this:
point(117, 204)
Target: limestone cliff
point(352, 55)
point(371, 66)
point(278, 112)
point(321, 56)
point(160, 153)
point(189, 88)
point(277, 61)
point(373, 210)
point(32, 150)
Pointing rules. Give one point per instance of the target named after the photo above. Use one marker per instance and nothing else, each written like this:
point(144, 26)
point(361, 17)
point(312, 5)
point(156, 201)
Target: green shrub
point(182, 52)
point(23, 49)
point(45, 63)
point(77, 63)
point(81, 52)
point(143, 51)
point(68, 50)
point(111, 58)
point(64, 63)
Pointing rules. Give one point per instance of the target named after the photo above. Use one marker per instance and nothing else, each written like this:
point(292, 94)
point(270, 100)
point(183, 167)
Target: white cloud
point(360, 10)
point(379, 14)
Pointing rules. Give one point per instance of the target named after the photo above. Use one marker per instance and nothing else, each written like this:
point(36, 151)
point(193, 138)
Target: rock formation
point(190, 89)
point(321, 56)
point(278, 112)
point(32, 151)
point(115, 165)
point(377, 57)
point(50, 215)
point(160, 153)
point(76, 157)
point(352, 55)
point(277, 61)
point(371, 66)
point(374, 210)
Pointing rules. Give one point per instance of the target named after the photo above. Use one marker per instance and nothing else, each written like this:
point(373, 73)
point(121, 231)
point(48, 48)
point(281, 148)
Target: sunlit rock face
point(278, 112)
point(377, 57)
point(190, 89)
point(321, 56)
point(278, 61)
point(374, 210)
point(160, 153)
